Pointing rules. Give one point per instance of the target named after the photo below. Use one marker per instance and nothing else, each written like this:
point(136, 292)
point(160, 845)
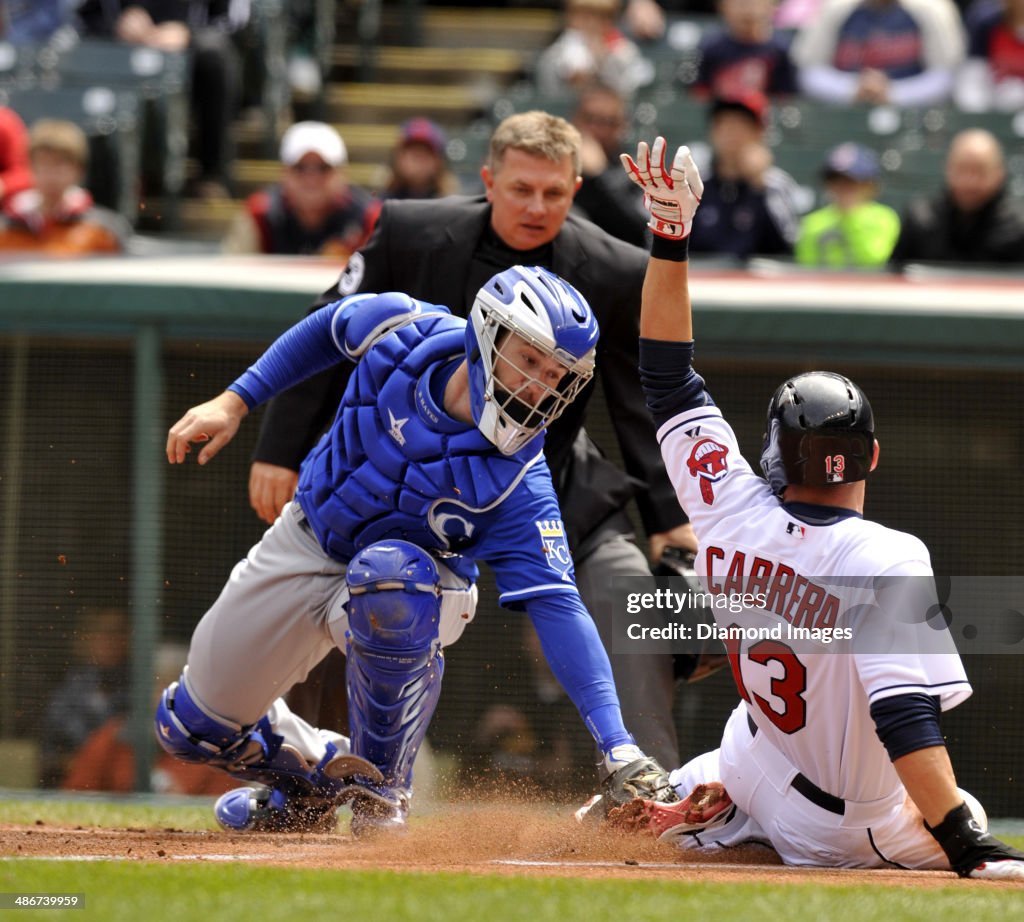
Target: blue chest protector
point(393, 461)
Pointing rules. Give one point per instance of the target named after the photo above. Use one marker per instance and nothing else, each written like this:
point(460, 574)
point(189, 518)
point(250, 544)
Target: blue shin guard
point(394, 671)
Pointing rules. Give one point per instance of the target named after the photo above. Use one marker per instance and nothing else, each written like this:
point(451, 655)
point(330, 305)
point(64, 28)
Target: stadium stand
point(109, 116)
point(384, 62)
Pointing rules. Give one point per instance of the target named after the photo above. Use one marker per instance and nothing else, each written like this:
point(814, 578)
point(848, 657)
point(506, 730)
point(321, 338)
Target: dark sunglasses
point(302, 168)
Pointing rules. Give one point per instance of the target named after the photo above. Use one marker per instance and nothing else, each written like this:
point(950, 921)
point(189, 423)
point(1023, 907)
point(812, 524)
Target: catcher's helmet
point(819, 432)
point(552, 317)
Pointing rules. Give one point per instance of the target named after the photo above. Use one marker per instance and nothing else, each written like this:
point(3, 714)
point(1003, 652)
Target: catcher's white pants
point(770, 810)
point(280, 613)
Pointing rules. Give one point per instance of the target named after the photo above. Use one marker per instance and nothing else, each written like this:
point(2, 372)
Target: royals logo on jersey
point(708, 463)
point(556, 549)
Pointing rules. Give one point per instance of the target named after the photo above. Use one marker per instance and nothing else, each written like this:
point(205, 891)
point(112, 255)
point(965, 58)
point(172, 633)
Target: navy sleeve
point(574, 652)
point(303, 350)
point(906, 723)
point(669, 381)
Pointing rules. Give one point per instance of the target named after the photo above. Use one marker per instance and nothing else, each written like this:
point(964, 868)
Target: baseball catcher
point(434, 461)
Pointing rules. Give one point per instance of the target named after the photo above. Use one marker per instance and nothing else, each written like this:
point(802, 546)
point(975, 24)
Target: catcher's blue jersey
point(395, 465)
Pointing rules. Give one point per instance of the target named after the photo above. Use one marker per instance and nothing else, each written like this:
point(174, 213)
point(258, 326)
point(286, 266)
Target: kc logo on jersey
point(707, 463)
point(556, 549)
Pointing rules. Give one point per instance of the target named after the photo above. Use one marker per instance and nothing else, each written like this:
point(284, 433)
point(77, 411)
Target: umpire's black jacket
point(425, 248)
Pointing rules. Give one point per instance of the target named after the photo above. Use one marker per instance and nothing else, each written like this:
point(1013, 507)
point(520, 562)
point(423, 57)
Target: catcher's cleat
point(708, 805)
point(377, 809)
point(262, 809)
point(295, 804)
point(642, 778)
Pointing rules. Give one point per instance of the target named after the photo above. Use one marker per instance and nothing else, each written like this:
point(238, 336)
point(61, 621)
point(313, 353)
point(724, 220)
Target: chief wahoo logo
point(707, 463)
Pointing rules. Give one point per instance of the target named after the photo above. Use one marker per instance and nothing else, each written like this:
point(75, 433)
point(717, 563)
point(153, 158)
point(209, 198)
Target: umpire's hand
point(270, 487)
point(213, 423)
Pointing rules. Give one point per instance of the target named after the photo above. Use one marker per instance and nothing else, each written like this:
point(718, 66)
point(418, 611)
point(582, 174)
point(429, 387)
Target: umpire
point(442, 251)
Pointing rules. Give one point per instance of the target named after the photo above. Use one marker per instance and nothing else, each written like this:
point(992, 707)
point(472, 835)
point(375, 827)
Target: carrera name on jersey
point(790, 595)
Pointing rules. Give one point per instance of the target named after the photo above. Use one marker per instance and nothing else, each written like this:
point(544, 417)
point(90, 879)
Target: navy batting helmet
point(820, 431)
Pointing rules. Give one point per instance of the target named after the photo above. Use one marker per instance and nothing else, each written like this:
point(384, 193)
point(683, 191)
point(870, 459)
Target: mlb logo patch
point(796, 530)
point(556, 548)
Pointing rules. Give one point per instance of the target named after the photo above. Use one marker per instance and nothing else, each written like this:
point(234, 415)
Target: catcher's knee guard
point(394, 658)
point(255, 753)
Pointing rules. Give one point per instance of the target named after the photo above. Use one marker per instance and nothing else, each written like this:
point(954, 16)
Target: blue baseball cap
point(854, 161)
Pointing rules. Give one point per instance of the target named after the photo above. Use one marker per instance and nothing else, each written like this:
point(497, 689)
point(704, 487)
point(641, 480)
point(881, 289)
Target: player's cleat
point(708, 805)
point(292, 806)
point(377, 809)
point(262, 809)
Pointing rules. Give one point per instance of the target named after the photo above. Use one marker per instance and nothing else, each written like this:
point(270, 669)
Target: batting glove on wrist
point(671, 197)
point(972, 851)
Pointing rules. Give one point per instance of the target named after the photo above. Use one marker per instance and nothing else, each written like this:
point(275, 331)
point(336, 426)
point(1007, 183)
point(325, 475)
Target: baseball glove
point(640, 779)
point(643, 778)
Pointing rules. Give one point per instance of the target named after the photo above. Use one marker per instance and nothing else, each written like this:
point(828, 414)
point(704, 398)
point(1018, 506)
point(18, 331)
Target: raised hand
point(671, 196)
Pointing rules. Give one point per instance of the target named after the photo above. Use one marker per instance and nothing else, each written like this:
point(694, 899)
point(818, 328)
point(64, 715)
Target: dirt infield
point(483, 839)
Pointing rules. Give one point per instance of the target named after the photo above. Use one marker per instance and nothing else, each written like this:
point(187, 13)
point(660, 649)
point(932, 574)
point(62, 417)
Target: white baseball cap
point(312, 138)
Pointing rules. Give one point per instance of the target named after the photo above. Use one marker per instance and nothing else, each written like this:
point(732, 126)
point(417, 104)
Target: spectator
point(853, 230)
point(591, 47)
point(205, 28)
point(993, 75)
point(902, 52)
point(606, 195)
point(974, 219)
point(15, 171)
point(33, 22)
point(312, 210)
point(746, 53)
point(419, 163)
point(95, 687)
point(750, 206)
point(57, 217)
point(795, 14)
point(644, 19)
point(106, 760)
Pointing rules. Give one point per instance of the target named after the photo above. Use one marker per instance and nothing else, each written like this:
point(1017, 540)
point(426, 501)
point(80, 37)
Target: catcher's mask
point(819, 432)
point(533, 306)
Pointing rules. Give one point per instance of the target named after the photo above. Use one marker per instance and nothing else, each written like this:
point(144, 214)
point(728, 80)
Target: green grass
point(185, 892)
point(180, 891)
point(183, 813)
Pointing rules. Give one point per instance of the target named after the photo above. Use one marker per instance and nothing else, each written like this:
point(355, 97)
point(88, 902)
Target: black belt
point(808, 788)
